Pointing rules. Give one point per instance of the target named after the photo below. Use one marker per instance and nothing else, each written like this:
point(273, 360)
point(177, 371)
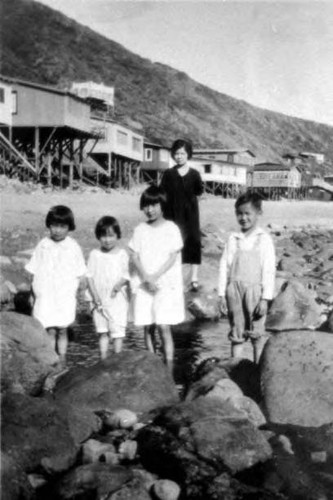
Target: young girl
point(57, 264)
point(183, 185)
point(247, 273)
point(156, 248)
point(108, 276)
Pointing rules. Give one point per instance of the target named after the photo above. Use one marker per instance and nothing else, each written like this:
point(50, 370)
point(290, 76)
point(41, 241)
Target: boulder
point(14, 481)
point(296, 378)
point(35, 434)
point(294, 308)
point(27, 354)
point(91, 481)
point(204, 305)
point(135, 380)
point(210, 430)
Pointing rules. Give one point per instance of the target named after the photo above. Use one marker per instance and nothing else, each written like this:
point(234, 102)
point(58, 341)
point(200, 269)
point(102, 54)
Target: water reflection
point(194, 341)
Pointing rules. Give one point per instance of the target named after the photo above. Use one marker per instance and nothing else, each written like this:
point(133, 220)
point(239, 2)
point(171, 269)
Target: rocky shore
point(119, 429)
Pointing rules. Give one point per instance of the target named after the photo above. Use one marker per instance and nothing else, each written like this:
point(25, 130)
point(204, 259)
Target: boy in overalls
point(246, 278)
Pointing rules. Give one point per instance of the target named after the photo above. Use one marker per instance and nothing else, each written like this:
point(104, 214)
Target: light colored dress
point(106, 269)
point(56, 268)
point(154, 245)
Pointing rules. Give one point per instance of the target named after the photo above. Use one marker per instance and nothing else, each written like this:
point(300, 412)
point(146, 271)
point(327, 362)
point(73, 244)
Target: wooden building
point(119, 151)
point(235, 156)
point(49, 130)
point(221, 177)
point(6, 104)
point(275, 180)
point(156, 159)
point(223, 171)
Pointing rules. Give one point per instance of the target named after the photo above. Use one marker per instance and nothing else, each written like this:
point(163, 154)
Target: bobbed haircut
point(153, 195)
point(250, 197)
point(106, 223)
point(60, 214)
point(182, 143)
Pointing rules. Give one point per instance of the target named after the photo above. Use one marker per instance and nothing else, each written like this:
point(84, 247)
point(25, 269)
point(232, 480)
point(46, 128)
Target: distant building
point(156, 159)
point(318, 157)
point(94, 92)
point(238, 156)
point(119, 150)
point(219, 171)
point(275, 175)
point(6, 104)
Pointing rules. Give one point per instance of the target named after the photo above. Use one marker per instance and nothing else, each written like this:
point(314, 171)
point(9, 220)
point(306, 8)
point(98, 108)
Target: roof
point(148, 142)
point(267, 166)
point(221, 151)
point(40, 86)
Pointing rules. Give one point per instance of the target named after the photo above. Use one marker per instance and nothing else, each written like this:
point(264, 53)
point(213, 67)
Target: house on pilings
point(47, 134)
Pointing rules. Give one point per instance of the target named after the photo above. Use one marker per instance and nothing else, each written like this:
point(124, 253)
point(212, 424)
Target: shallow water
point(194, 341)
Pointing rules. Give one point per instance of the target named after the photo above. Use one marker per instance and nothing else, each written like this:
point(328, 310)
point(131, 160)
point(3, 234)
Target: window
point(230, 158)
point(136, 144)
point(121, 138)
point(148, 154)
point(208, 169)
point(14, 102)
point(2, 94)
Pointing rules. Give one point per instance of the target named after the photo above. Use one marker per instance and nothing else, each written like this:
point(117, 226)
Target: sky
point(275, 55)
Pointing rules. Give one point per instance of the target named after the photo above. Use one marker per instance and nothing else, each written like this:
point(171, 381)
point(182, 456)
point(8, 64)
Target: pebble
point(122, 418)
point(127, 450)
point(164, 489)
point(94, 451)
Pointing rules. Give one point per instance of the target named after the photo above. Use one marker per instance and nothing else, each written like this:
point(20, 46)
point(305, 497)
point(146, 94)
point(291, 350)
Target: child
point(108, 276)
point(57, 264)
point(156, 248)
point(247, 273)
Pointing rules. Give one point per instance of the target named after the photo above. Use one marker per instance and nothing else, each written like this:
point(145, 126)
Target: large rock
point(294, 308)
point(27, 355)
point(91, 481)
point(201, 432)
point(135, 380)
point(297, 377)
point(35, 434)
point(14, 481)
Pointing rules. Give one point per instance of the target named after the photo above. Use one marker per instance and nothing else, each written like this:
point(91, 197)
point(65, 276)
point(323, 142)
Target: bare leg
point(167, 342)
point(195, 271)
point(118, 344)
point(257, 346)
point(104, 345)
point(236, 350)
point(62, 343)
point(150, 338)
point(52, 332)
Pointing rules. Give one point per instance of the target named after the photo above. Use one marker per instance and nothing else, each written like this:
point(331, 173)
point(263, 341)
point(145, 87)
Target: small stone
point(36, 480)
point(122, 418)
point(5, 261)
point(319, 457)
point(164, 489)
point(109, 457)
point(93, 451)
point(128, 449)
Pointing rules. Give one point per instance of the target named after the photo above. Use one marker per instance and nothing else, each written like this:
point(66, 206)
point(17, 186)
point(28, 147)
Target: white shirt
point(266, 249)
point(154, 245)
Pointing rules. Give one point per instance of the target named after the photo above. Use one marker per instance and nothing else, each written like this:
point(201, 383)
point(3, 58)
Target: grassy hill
point(43, 45)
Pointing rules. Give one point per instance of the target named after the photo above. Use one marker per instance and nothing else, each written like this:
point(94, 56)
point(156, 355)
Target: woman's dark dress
point(183, 208)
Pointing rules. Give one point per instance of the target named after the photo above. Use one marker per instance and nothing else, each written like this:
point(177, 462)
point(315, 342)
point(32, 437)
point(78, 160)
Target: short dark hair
point(60, 214)
point(182, 143)
point(104, 224)
point(249, 197)
point(153, 195)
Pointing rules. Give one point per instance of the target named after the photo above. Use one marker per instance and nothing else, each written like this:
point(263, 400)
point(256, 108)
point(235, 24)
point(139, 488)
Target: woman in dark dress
point(183, 185)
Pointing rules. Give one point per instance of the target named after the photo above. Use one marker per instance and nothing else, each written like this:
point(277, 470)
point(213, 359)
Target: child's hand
point(261, 309)
point(223, 308)
point(115, 290)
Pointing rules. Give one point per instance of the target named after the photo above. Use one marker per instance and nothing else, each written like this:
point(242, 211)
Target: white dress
point(56, 269)
point(154, 245)
point(106, 269)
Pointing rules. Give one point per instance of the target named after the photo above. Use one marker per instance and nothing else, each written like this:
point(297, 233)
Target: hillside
point(43, 45)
